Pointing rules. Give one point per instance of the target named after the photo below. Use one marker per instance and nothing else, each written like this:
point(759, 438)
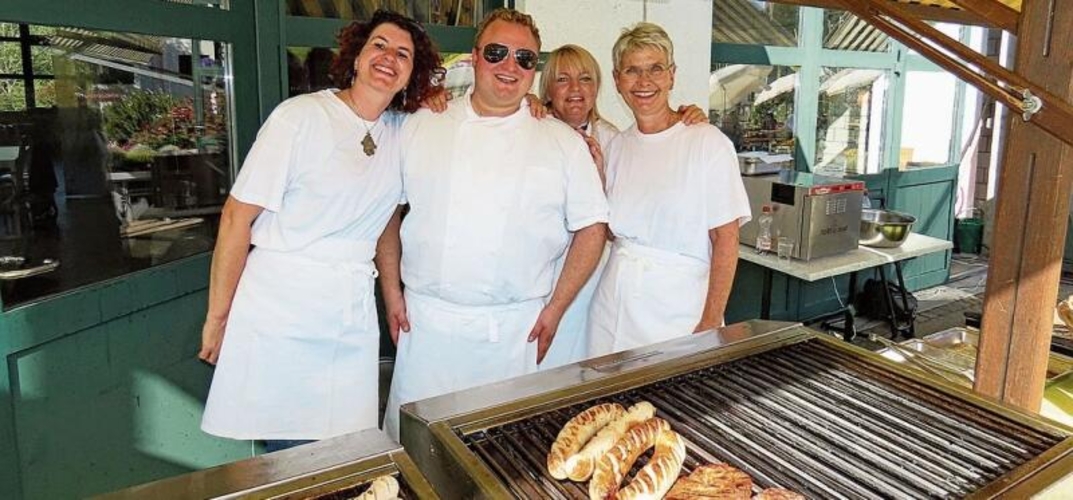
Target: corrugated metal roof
point(853, 33)
point(740, 21)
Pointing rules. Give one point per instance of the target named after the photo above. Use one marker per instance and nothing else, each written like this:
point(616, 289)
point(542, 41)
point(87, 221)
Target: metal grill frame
point(457, 471)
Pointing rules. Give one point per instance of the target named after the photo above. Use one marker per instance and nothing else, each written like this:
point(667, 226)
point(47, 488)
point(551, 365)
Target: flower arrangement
point(161, 123)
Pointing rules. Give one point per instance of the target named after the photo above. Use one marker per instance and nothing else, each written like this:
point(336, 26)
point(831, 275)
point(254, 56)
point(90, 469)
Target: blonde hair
point(640, 36)
point(511, 16)
point(570, 56)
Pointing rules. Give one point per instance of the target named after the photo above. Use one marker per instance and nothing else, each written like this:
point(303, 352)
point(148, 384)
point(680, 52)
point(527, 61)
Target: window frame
point(809, 56)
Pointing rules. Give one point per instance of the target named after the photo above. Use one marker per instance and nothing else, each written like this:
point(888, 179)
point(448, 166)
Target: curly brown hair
point(427, 70)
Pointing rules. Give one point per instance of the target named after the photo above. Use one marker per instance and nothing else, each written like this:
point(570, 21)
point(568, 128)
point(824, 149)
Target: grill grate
point(807, 417)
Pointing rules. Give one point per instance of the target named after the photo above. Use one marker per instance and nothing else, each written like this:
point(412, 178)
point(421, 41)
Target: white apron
point(451, 347)
point(299, 357)
point(571, 342)
point(646, 295)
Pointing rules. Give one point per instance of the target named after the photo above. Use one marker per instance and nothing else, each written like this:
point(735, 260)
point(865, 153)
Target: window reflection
point(451, 13)
point(118, 159)
point(752, 22)
point(927, 119)
point(219, 4)
point(845, 31)
point(754, 105)
point(849, 126)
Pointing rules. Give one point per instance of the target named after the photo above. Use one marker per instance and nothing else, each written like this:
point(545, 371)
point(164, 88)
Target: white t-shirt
point(492, 203)
point(321, 194)
point(668, 189)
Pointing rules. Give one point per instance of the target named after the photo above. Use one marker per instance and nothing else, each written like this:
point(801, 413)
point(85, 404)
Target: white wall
point(595, 24)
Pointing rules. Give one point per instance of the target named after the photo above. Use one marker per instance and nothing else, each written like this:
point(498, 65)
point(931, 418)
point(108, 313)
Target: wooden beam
point(924, 12)
point(1054, 113)
point(998, 13)
point(1030, 224)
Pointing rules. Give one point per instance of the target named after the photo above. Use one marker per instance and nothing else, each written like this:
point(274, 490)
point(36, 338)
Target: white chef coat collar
point(471, 114)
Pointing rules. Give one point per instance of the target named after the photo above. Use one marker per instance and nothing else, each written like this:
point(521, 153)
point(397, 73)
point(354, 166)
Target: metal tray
point(955, 349)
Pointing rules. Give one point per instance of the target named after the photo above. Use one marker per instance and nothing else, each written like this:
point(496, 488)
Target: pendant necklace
point(368, 145)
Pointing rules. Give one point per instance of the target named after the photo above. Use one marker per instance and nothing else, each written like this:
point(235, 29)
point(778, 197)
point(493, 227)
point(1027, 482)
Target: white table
point(851, 262)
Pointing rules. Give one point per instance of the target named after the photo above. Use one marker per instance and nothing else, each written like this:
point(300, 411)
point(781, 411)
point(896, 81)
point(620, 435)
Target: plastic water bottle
point(763, 237)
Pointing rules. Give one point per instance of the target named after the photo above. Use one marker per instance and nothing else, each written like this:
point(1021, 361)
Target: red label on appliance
point(836, 188)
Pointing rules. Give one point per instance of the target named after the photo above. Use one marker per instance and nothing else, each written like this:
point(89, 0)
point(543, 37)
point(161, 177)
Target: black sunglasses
point(496, 52)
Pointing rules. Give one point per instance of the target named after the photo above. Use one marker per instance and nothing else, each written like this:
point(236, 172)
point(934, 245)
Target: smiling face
point(645, 79)
point(572, 94)
point(386, 61)
point(499, 87)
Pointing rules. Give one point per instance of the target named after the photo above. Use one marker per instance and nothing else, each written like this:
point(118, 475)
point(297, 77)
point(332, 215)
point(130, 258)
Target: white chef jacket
point(299, 356)
point(492, 203)
point(571, 342)
point(666, 190)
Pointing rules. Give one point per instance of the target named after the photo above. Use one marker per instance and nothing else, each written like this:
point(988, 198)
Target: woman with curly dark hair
point(291, 324)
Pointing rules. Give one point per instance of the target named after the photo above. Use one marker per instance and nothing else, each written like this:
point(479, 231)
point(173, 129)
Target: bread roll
point(612, 468)
point(576, 432)
point(778, 494)
point(579, 467)
point(382, 488)
point(654, 480)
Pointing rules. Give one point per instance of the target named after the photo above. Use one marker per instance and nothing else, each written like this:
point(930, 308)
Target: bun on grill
point(579, 467)
point(577, 432)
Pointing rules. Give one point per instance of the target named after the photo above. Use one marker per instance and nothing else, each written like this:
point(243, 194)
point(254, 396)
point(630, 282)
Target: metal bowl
point(885, 228)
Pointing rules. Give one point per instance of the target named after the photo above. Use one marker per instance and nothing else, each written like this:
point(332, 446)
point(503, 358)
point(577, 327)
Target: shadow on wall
point(115, 405)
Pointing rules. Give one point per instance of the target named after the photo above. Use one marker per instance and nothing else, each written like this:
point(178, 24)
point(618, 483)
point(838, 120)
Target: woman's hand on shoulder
point(536, 108)
point(691, 114)
point(437, 101)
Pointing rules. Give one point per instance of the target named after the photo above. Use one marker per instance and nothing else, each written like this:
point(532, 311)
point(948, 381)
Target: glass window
point(45, 93)
point(460, 73)
point(307, 69)
point(927, 119)
point(451, 13)
point(849, 128)
point(41, 58)
point(12, 95)
point(124, 164)
point(845, 31)
point(752, 22)
point(10, 58)
point(9, 30)
point(754, 105)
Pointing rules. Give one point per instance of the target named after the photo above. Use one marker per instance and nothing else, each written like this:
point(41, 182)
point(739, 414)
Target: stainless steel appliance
point(789, 406)
point(820, 214)
point(340, 467)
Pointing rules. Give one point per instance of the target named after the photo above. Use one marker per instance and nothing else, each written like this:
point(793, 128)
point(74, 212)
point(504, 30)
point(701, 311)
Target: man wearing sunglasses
point(495, 195)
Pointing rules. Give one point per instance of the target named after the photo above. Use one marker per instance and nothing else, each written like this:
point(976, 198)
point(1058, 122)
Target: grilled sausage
point(612, 468)
point(382, 488)
point(579, 467)
point(576, 432)
point(657, 476)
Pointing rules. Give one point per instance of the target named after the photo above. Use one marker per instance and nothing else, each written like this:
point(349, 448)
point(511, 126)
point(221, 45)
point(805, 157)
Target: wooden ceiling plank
point(312, 8)
point(998, 13)
point(344, 9)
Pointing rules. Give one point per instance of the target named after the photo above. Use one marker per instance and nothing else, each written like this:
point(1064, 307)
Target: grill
point(791, 408)
point(338, 468)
